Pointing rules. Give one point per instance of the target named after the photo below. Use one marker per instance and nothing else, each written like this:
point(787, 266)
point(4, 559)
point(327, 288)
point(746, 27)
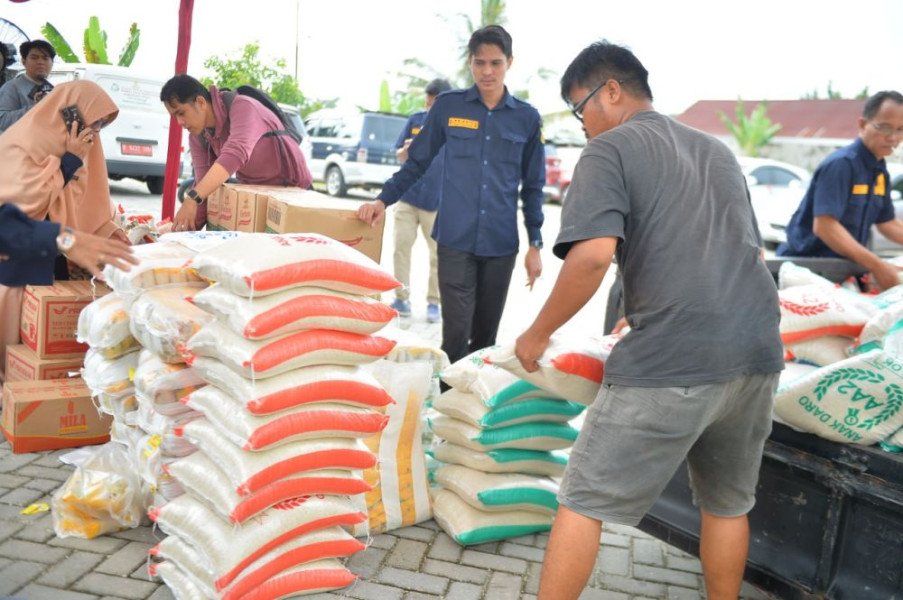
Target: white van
point(135, 143)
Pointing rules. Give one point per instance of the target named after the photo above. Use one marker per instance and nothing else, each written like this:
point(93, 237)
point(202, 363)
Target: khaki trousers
point(407, 219)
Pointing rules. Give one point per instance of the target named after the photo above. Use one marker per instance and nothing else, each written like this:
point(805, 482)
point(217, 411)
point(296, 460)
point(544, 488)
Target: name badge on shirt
point(466, 123)
point(415, 130)
point(879, 185)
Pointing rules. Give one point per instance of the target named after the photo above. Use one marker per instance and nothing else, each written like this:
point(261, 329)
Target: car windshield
point(384, 129)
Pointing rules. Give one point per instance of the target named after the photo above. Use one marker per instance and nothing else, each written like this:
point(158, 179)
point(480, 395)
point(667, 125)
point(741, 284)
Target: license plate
point(138, 149)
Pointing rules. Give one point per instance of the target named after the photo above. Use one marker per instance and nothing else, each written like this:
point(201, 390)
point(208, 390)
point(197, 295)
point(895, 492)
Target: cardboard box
point(47, 415)
point(228, 208)
point(50, 317)
point(22, 364)
point(213, 209)
point(307, 211)
point(244, 207)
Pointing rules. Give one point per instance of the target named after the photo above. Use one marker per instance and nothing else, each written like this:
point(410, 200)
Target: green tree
point(249, 69)
point(832, 94)
point(752, 132)
point(95, 44)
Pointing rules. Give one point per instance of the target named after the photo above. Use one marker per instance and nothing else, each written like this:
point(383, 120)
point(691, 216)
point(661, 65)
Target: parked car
point(551, 191)
point(776, 189)
point(878, 243)
point(567, 156)
point(355, 150)
point(135, 144)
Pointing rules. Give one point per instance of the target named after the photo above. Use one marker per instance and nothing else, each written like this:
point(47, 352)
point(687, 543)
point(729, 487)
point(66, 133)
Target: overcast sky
point(694, 49)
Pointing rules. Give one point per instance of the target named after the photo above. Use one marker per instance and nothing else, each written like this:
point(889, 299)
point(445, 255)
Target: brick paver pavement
point(415, 563)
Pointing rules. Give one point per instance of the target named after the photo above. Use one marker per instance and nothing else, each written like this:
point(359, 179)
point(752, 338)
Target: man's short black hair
point(491, 34)
point(601, 61)
point(873, 104)
point(437, 86)
point(183, 89)
point(42, 45)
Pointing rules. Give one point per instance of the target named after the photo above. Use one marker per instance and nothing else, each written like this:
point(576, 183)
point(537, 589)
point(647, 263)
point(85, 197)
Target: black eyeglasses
point(577, 109)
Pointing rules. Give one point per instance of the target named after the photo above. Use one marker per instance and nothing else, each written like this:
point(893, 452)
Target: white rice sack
point(178, 582)
point(262, 264)
point(163, 427)
point(889, 297)
point(163, 320)
point(888, 320)
point(104, 326)
point(164, 384)
point(111, 377)
point(252, 432)
point(571, 368)
point(228, 549)
point(318, 577)
point(469, 408)
point(505, 460)
point(500, 491)
point(494, 385)
point(160, 263)
point(410, 347)
point(201, 477)
point(811, 311)
point(821, 351)
point(527, 436)
point(794, 370)
point(119, 405)
point(792, 275)
point(265, 577)
point(249, 472)
point(338, 384)
point(291, 351)
point(857, 400)
point(468, 525)
point(294, 310)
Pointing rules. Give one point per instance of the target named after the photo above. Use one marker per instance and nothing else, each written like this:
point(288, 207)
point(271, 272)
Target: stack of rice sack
point(502, 435)
point(280, 449)
point(844, 375)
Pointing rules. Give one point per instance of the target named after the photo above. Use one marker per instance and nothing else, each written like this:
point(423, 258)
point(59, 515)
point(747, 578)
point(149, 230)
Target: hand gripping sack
point(338, 384)
point(163, 320)
point(104, 326)
point(251, 432)
point(571, 367)
point(469, 408)
point(297, 309)
point(811, 311)
point(494, 385)
point(231, 550)
point(857, 400)
point(201, 477)
point(468, 525)
point(526, 436)
point(506, 460)
point(262, 264)
point(495, 492)
point(249, 472)
point(270, 357)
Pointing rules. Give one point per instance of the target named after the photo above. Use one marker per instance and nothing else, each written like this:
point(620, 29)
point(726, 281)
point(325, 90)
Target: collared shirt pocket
point(511, 148)
point(461, 142)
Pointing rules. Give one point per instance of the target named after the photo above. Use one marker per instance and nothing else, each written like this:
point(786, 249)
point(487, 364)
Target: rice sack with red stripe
point(811, 311)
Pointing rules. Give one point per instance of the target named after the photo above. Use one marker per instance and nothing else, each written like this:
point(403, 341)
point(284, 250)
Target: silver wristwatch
point(65, 241)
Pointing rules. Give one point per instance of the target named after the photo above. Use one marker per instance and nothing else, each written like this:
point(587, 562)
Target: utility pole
point(297, 36)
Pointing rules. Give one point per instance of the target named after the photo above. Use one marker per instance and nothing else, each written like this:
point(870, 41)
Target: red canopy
point(186, 8)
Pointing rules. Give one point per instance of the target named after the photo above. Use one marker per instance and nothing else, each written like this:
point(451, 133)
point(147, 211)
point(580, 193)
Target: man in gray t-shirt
point(695, 375)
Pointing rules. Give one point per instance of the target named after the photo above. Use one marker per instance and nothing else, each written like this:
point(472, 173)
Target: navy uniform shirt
point(28, 247)
point(488, 154)
point(850, 185)
point(425, 193)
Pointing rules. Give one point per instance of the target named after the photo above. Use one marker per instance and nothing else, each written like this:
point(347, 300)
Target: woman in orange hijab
point(54, 172)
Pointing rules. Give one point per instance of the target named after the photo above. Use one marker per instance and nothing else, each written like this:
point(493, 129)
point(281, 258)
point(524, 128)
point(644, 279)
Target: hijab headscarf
point(31, 150)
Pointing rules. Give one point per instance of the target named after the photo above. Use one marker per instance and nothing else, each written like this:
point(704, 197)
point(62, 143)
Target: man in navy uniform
point(493, 146)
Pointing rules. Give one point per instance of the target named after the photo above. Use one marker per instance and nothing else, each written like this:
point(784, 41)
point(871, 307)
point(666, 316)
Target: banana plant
point(95, 44)
point(751, 132)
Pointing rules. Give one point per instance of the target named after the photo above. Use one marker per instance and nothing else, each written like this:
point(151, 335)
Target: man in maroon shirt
point(229, 135)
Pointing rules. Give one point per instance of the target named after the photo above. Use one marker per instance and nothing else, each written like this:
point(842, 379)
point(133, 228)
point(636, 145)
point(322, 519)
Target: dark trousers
point(473, 290)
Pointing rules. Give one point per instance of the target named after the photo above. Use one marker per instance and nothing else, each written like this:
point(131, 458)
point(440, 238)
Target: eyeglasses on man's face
point(886, 130)
point(577, 109)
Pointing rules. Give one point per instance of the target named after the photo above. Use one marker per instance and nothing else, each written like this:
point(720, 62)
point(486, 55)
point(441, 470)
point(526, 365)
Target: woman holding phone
point(54, 170)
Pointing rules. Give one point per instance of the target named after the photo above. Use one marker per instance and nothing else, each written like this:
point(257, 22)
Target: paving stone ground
point(415, 563)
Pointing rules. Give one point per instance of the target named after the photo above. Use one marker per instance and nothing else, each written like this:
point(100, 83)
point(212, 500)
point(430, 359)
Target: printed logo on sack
point(805, 310)
point(287, 240)
point(292, 503)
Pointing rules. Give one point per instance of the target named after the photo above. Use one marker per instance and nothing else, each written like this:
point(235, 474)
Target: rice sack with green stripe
point(856, 401)
point(468, 407)
point(504, 460)
point(500, 491)
point(526, 436)
point(468, 525)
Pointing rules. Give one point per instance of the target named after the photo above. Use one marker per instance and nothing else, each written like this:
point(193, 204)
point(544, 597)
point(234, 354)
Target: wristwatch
point(65, 241)
point(193, 194)
point(536, 244)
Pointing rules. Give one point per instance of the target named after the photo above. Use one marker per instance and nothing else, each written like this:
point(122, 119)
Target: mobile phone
point(70, 116)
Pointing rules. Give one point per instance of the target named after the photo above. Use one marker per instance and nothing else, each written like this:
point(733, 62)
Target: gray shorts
point(634, 439)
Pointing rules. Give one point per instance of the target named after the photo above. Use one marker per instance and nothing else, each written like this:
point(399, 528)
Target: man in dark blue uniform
point(493, 145)
point(418, 210)
point(850, 192)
